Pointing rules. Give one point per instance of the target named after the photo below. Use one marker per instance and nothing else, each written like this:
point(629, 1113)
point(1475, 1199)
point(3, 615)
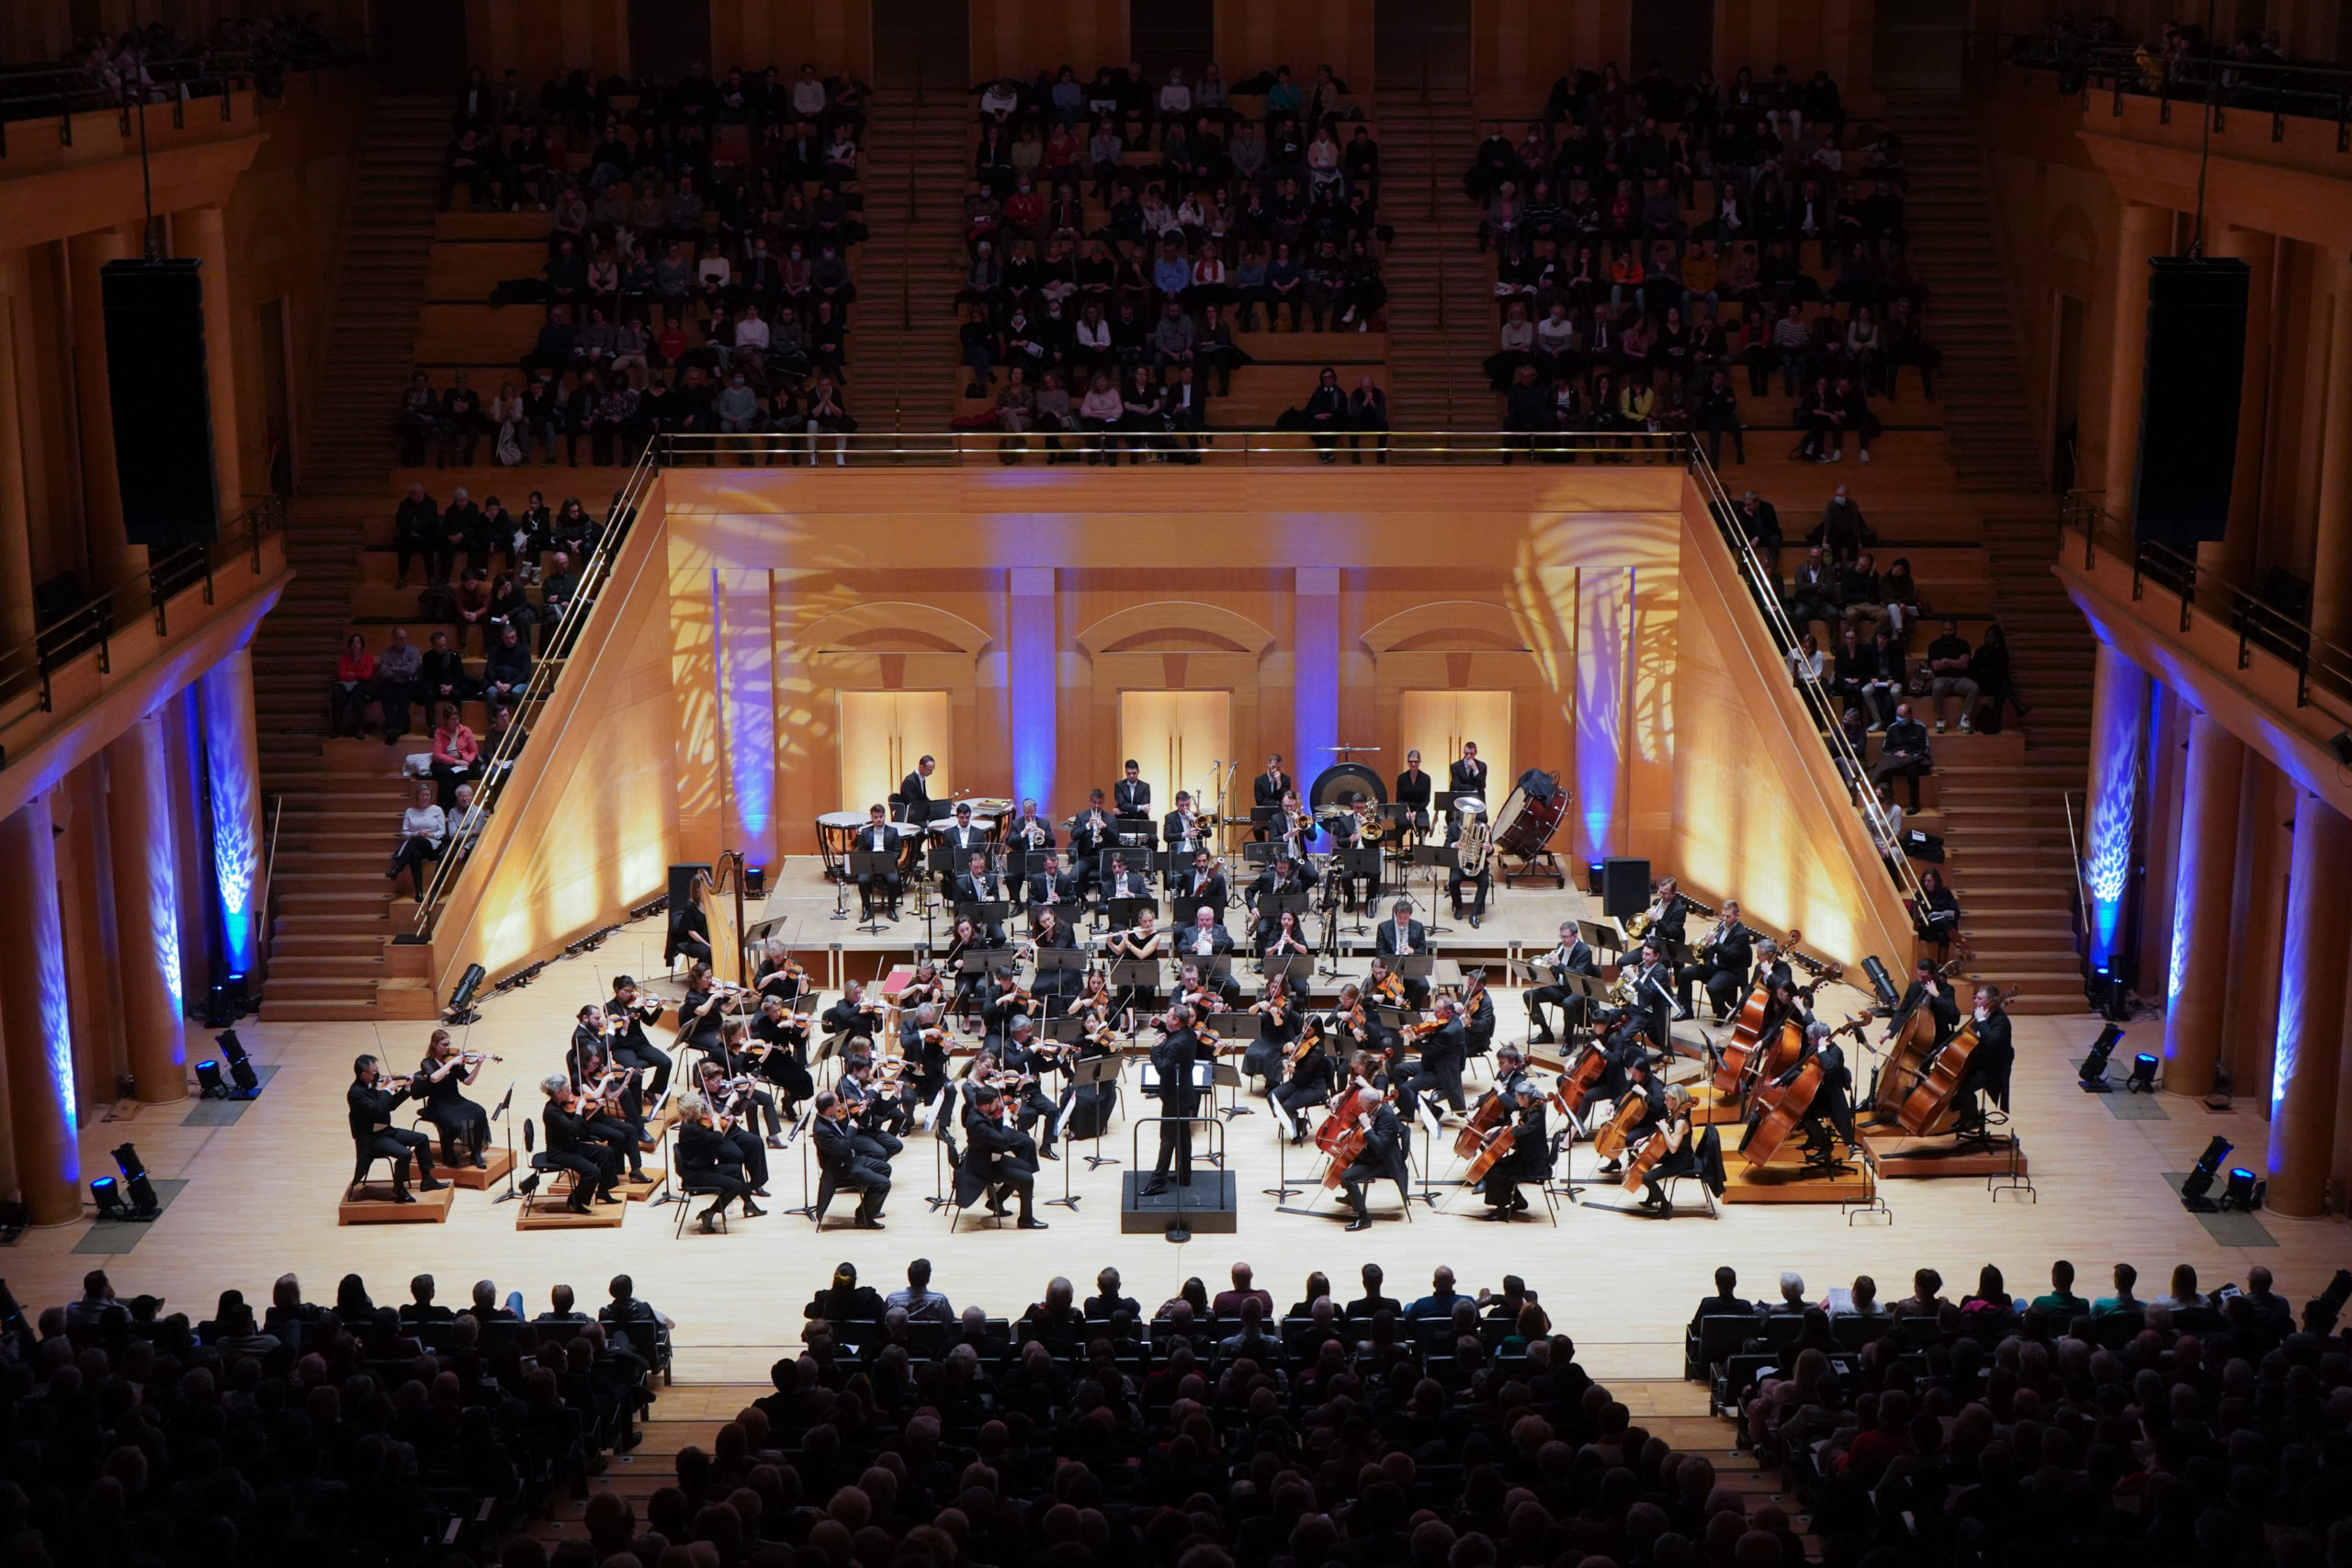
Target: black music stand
point(876, 863)
point(1295, 967)
point(1601, 937)
point(1057, 961)
point(1186, 904)
point(1353, 863)
point(1436, 857)
point(1441, 807)
point(1261, 819)
point(1229, 1026)
point(1594, 992)
point(1121, 912)
point(1095, 1072)
point(990, 914)
point(1260, 851)
point(1281, 1189)
point(1131, 974)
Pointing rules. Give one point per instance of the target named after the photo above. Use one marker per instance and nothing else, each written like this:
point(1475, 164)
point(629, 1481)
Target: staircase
point(902, 348)
point(337, 801)
point(1441, 300)
point(1948, 208)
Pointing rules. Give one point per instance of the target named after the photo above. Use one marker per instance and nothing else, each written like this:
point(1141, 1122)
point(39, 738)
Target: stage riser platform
point(371, 1203)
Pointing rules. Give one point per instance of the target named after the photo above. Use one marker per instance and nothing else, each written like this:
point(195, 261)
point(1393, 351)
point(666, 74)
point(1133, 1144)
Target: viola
point(1784, 1107)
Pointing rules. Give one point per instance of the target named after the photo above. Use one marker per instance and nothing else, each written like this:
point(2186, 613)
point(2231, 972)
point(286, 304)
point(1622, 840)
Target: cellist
point(1382, 1157)
point(1530, 1150)
point(1681, 1156)
point(1928, 989)
point(1832, 1103)
point(1989, 1064)
point(1643, 1082)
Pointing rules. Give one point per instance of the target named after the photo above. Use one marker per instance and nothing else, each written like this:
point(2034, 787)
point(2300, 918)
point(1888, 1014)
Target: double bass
point(1932, 1102)
point(1911, 1043)
point(1737, 1057)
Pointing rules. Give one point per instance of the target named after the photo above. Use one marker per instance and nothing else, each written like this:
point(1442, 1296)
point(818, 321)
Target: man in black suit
point(1266, 791)
point(1371, 1303)
point(1721, 963)
point(1202, 881)
point(1989, 1065)
point(1928, 989)
point(1090, 834)
point(963, 838)
point(1123, 883)
point(1573, 957)
point(1278, 880)
point(1445, 1050)
point(914, 793)
point(1176, 830)
point(1106, 1302)
point(372, 1133)
point(999, 1159)
point(976, 883)
point(1401, 934)
point(1382, 1158)
point(709, 1156)
point(625, 1017)
point(1029, 832)
point(850, 1168)
point(1016, 1052)
point(594, 1164)
point(877, 837)
point(1131, 797)
point(1468, 775)
point(1205, 939)
point(1050, 885)
point(1413, 788)
point(1171, 1061)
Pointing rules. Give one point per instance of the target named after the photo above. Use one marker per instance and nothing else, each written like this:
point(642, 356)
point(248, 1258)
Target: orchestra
point(955, 1045)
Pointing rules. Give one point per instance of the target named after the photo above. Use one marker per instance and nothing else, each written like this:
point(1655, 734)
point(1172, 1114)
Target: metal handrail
point(1259, 448)
point(2082, 889)
point(62, 92)
point(268, 865)
point(1764, 588)
point(2305, 91)
point(91, 626)
point(2323, 668)
point(498, 766)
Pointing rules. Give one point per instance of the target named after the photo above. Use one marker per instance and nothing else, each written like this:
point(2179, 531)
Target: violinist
point(709, 1158)
point(1022, 1062)
point(1091, 1105)
point(779, 975)
point(369, 1111)
point(1640, 1080)
point(702, 1011)
point(1573, 957)
point(976, 883)
point(628, 1014)
point(1531, 1151)
point(874, 1116)
point(1279, 1019)
point(1050, 887)
point(925, 987)
point(1006, 998)
point(1412, 793)
point(1308, 1079)
point(1178, 1095)
point(440, 1082)
point(1989, 1065)
point(846, 1162)
point(967, 951)
point(1092, 1002)
point(592, 1161)
point(784, 1062)
point(1478, 1010)
point(1279, 937)
point(1445, 1052)
point(924, 1043)
point(1382, 1157)
point(738, 1066)
point(1000, 1160)
point(852, 1015)
point(1928, 989)
point(735, 1102)
point(1721, 963)
point(1354, 1025)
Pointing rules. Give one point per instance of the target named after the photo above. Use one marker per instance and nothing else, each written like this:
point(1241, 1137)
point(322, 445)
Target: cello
point(1483, 1118)
point(1784, 1107)
point(1610, 1138)
point(1747, 1030)
point(1932, 1102)
point(1910, 1043)
point(1497, 1147)
point(1579, 1080)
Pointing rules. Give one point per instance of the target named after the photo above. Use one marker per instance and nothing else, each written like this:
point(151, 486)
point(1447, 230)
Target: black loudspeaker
point(161, 397)
point(2188, 400)
point(682, 882)
point(1625, 886)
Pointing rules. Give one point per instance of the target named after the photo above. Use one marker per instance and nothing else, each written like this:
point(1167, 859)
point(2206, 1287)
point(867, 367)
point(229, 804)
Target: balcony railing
point(2120, 71)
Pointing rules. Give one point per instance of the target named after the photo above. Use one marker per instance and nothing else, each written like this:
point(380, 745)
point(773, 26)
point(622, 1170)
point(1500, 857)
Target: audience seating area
point(296, 1431)
point(1191, 254)
point(2195, 1425)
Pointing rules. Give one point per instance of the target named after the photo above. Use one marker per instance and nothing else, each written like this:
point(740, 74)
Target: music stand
point(1133, 975)
point(1226, 1076)
point(1093, 1072)
point(1434, 856)
point(1356, 862)
point(1260, 851)
point(1057, 961)
point(1599, 937)
point(1229, 1026)
point(990, 914)
point(1294, 967)
point(1122, 911)
point(876, 864)
point(1441, 805)
point(1187, 904)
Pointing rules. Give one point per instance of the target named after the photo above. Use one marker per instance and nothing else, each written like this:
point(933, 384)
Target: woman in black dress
point(1279, 1018)
point(445, 1073)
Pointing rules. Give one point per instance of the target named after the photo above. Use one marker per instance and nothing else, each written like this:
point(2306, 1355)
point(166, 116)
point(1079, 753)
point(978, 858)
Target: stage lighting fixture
point(755, 881)
point(2340, 744)
point(109, 1197)
point(2242, 1192)
point(461, 1009)
point(240, 1066)
point(2195, 1188)
point(1593, 876)
point(135, 1182)
point(1881, 983)
point(2093, 1072)
point(208, 1080)
point(2144, 1075)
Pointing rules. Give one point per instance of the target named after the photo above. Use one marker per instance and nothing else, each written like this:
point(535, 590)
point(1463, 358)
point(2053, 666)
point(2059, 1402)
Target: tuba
point(1476, 847)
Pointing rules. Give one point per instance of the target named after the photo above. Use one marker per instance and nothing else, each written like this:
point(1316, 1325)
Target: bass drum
point(1336, 782)
point(1526, 824)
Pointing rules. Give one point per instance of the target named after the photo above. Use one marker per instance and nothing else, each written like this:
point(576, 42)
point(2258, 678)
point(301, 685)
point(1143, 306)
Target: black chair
point(692, 1187)
point(1719, 1338)
point(1852, 1332)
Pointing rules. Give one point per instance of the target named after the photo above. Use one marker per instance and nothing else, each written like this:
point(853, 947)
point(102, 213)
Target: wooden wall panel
point(1022, 37)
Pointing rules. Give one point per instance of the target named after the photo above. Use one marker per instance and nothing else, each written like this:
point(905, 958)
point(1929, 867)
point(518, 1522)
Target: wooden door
point(1419, 46)
point(883, 735)
point(1437, 722)
point(1177, 737)
point(924, 46)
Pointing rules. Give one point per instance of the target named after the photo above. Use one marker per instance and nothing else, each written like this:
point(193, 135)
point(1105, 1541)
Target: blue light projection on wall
point(225, 698)
point(741, 611)
point(1314, 700)
point(1034, 684)
point(1606, 607)
point(2119, 719)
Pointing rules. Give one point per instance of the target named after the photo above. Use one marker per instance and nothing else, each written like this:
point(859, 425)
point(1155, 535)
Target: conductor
point(1172, 1062)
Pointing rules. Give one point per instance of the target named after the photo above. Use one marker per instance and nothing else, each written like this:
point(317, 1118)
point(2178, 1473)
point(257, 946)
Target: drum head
point(1336, 782)
point(1508, 814)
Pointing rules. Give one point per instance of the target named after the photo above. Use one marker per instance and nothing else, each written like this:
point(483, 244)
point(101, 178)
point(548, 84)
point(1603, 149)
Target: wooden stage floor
point(261, 1198)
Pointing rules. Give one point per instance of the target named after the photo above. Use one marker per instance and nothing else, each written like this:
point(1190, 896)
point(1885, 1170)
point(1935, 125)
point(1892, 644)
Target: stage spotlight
point(2195, 1187)
point(240, 1066)
point(461, 1009)
point(2243, 1192)
point(208, 1080)
point(2340, 745)
point(2093, 1072)
point(108, 1194)
point(1881, 983)
point(755, 881)
point(134, 1181)
point(1593, 875)
point(2144, 1075)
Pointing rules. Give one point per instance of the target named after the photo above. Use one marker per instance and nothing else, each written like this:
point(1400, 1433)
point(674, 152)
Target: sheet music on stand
point(993, 912)
point(1396, 1018)
point(1290, 966)
point(1419, 965)
point(1233, 1026)
point(1125, 911)
point(1599, 937)
point(1060, 960)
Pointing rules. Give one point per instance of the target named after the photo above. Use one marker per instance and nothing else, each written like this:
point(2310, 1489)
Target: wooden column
point(34, 1017)
point(2199, 978)
point(2310, 1008)
point(144, 856)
